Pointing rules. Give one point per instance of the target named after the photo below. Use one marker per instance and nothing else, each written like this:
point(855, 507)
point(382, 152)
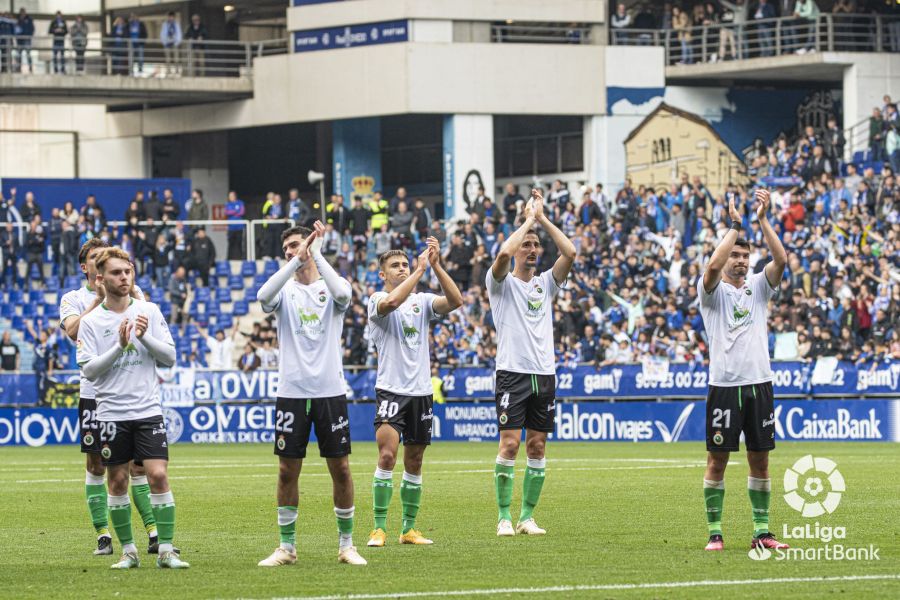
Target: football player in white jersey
point(525, 387)
point(119, 346)
point(73, 306)
point(310, 299)
point(399, 321)
point(735, 311)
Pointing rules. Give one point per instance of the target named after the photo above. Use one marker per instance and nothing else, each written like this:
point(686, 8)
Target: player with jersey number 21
point(118, 348)
point(735, 310)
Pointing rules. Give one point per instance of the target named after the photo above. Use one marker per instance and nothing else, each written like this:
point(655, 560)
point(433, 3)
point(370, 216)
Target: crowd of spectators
point(632, 294)
point(126, 44)
point(730, 29)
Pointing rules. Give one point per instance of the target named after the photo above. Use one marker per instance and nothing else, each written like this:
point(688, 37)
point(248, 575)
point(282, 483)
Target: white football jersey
point(401, 337)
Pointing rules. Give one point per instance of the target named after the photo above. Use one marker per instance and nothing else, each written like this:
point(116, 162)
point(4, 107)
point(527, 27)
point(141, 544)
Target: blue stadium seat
point(144, 282)
point(270, 268)
point(241, 308)
point(201, 345)
point(202, 294)
point(35, 273)
point(16, 297)
point(51, 311)
point(223, 269)
point(36, 297)
point(192, 332)
point(7, 310)
point(250, 293)
point(165, 307)
point(28, 310)
point(157, 295)
point(223, 295)
point(260, 280)
point(18, 323)
point(73, 282)
point(225, 321)
point(183, 345)
point(52, 284)
point(248, 268)
point(235, 282)
point(212, 309)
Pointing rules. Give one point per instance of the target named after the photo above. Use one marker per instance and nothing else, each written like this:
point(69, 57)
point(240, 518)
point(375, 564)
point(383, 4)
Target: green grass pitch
point(615, 514)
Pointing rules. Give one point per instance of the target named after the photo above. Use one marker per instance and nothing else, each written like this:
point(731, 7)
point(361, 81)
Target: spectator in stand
point(9, 254)
point(399, 197)
point(7, 30)
point(297, 208)
point(199, 210)
point(234, 211)
point(68, 256)
point(196, 35)
point(120, 55)
point(24, 32)
point(336, 214)
point(160, 261)
point(732, 34)
point(644, 21)
point(221, 348)
point(764, 10)
point(94, 215)
point(170, 37)
point(79, 33)
point(137, 36)
point(10, 359)
point(170, 208)
point(401, 225)
point(268, 356)
point(359, 228)
point(59, 30)
point(807, 13)
point(681, 23)
point(202, 255)
point(178, 295)
point(35, 242)
point(876, 135)
point(249, 360)
point(512, 202)
point(30, 209)
point(421, 219)
point(378, 207)
point(620, 21)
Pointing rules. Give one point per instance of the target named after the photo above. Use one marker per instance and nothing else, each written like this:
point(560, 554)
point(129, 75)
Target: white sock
point(165, 548)
point(382, 474)
point(91, 479)
point(129, 548)
point(286, 516)
point(506, 462)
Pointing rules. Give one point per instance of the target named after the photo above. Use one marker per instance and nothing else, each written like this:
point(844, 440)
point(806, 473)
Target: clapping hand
point(125, 329)
point(764, 199)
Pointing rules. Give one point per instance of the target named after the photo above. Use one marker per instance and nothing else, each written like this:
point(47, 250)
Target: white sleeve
point(85, 344)
point(158, 339)
point(550, 282)
point(759, 283)
point(338, 287)
point(67, 308)
point(494, 287)
point(374, 317)
point(708, 299)
point(269, 295)
point(428, 300)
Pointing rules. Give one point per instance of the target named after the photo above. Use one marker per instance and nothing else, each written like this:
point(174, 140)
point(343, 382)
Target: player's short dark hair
point(743, 243)
point(296, 230)
point(532, 232)
point(88, 246)
point(390, 254)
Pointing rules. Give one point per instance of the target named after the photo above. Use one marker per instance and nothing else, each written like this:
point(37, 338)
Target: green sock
point(120, 516)
point(95, 492)
point(531, 486)
point(140, 495)
point(164, 513)
point(382, 490)
point(287, 525)
point(714, 494)
point(344, 518)
point(504, 472)
point(411, 497)
point(760, 491)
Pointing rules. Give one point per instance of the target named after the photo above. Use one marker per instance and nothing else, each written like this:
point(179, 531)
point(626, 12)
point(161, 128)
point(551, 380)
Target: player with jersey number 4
point(735, 310)
point(399, 321)
point(525, 388)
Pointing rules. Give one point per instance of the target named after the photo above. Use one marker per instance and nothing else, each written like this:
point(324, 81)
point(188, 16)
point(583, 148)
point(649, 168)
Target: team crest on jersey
point(322, 299)
point(106, 452)
point(718, 438)
point(280, 443)
point(416, 309)
point(748, 291)
point(503, 418)
point(78, 344)
point(88, 439)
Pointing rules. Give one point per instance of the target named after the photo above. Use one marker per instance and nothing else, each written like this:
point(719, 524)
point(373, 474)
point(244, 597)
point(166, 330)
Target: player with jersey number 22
point(735, 310)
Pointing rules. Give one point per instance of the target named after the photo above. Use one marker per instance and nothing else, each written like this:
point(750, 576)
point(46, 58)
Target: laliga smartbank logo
point(813, 486)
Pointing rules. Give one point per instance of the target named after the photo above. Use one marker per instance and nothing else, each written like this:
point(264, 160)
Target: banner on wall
point(185, 387)
point(640, 421)
point(351, 36)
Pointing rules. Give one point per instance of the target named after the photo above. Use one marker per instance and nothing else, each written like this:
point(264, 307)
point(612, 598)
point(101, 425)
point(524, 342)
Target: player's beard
point(113, 290)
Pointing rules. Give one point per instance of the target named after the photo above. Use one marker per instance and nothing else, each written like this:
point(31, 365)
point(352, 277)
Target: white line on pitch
point(598, 587)
point(427, 473)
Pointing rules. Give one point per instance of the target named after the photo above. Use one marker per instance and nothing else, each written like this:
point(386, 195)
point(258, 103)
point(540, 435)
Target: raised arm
point(775, 269)
point(500, 268)
point(339, 288)
point(566, 259)
point(452, 298)
point(268, 293)
point(71, 324)
point(713, 272)
point(399, 294)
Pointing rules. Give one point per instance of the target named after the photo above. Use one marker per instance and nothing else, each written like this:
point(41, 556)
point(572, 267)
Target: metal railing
point(540, 34)
point(768, 37)
point(136, 58)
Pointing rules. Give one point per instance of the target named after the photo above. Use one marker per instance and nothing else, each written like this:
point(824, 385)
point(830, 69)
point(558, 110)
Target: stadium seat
point(157, 295)
point(192, 331)
point(248, 268)
point(241, 308)
point(223, 269)
point(28, 310)
point(270, 268)
point(223, 295)
point(35, 273)
point(18, 323)
point(165, 307)
point(52, 284)
point(7, 310)
point(260, 280)
point(36, 297)
point(250, 293)
point(212, 309)
point(225, 321)
point(201, 294)
point(51, 311)
point(16, 297)
point(73, 282)
point(144, 282)
point(235, 282)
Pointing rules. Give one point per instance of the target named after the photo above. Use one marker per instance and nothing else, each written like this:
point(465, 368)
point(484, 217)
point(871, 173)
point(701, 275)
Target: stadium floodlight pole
point(318, 178)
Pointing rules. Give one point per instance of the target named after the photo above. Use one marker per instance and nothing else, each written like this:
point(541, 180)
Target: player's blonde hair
point(109, 253)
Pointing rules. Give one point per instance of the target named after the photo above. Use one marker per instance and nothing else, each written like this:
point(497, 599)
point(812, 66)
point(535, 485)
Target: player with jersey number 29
point(735, 308)
point(399, 321)
point(119, 346)
point(525, 388)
